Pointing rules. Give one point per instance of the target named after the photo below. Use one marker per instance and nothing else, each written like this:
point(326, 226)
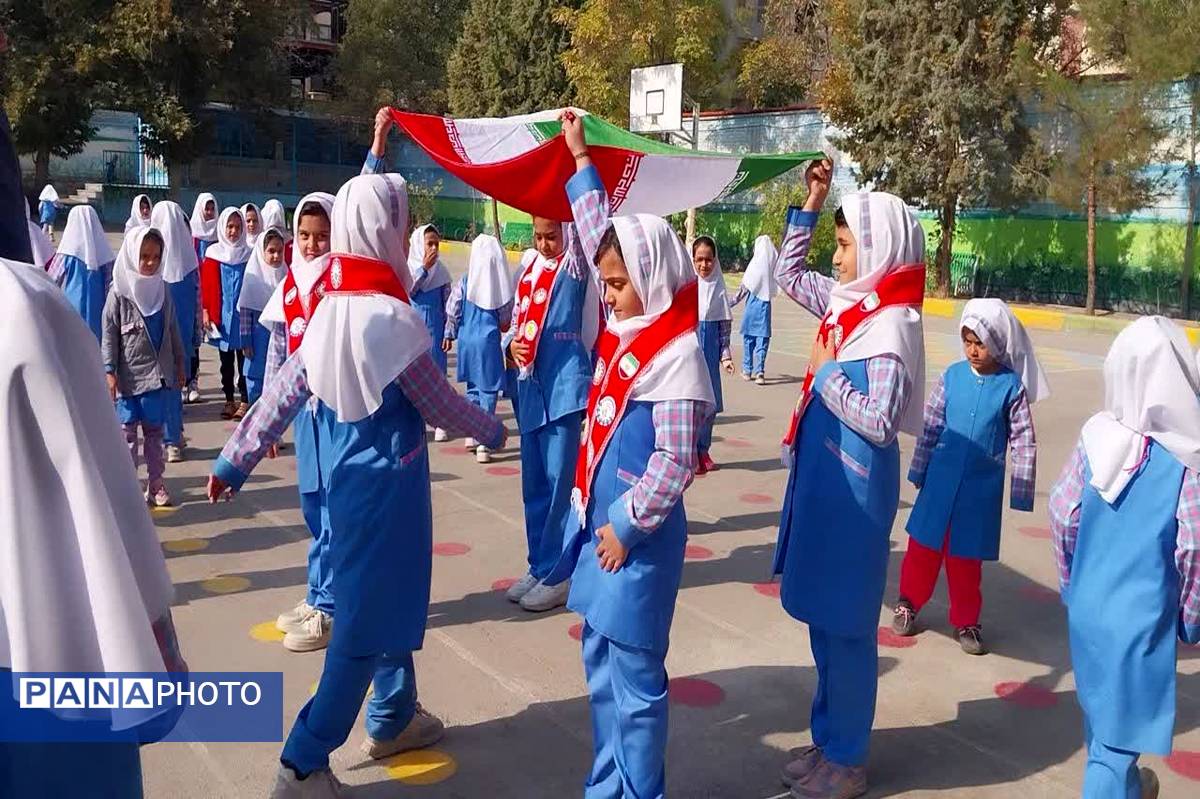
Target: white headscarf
point(357, 345)
point(179, 256)
point(306, 272)
point(714, 300)
point(82, 576)
point(84, 238)
point(888, 236)
point(204, 229)
point(659, 266)
point(1151, 383)
point(252, 239)
point(1008, 342)
point(759, 277)
point(227, 250)
point(261, 280)
point(439, 275)
point(39, 243)
point(135, 213)
point(489, 283)
point(146, 291)
point(273, 216)
point(48, 195)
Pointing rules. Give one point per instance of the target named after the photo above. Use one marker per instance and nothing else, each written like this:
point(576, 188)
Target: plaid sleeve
point(589, 207)
point(1022, 445)
point(1187, 557)
point(441, 406)
point(246, 320)
point(454, 309)
point(935, 423)
point(57, 269)
point(1065, 499)
point(281, 400)
point(737, 298)
point(505, 315)
point(809, 289)
point(670, 468)
point(724, 330)
point(874, 415)
point(276, 351)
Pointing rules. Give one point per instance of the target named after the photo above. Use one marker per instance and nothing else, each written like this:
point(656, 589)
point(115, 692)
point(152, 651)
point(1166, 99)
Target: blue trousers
point(173, 418)
point(843, 708)
point(627, 690)
point(320, 562)
point(704, 441)
point(325, 721)
point(254, 387)
point(484, 399)
point(754, 354)
point(1110, 773)
point(548, 457)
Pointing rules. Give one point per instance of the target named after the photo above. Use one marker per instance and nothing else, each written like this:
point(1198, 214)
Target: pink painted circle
point(502, 471)
point(1035, 532)
point(740, 443)
point(1184, 763)
point(888, 637)
point(1039, 593)
point(694, 692)
point(504, 583)
point(697, 552)
point(450, 548)
point(576, 631)
point(768, 589)
point(455, 449)
point(756, 499)
point(1026, 694)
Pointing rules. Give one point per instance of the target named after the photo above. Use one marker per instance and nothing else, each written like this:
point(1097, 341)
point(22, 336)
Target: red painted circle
point(1026, 694)
point(695, 692)
point(504, 583)
point(740, 443)
point(768, 589)
point(696, 552)
point(450, 548)
point(1039, 593)
point(456, 449)
point(502, 471)
point(576, 631)
point(1035, 532)
point(1184, 763)
point(756, 499)
point(888, 637)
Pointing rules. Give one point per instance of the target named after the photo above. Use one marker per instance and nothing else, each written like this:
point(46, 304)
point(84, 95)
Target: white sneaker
point(483, 454)
point(544, 597)
point(521, 587)
point(746, 377)
point(292, 620)
point(313, 634)
point(424, 730)
point(470, 443)
point(174, 454)
point(318, 785)
point(193, 393)
point(760, 380)
point(439, 434)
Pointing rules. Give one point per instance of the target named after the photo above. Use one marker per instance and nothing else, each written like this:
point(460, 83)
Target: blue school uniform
point(232, 276)
point(756, 335)
point(841, 499)
point(256, 364)
point(183, 296)
point(963, 487)
point(710, 344)
point(480, 357)
point(202, 246)
point(627, 617)
point(310, 440)
point(431, 305)
point(149, 407)
point(86, 289)
point(47, 211)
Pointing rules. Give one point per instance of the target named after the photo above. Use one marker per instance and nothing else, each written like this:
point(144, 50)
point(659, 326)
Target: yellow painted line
point(938, 307)
point(1193, 334)
point(422, 767)
point(1038, 319)
point(225, 584)
point(181, 545)
point(266, 632)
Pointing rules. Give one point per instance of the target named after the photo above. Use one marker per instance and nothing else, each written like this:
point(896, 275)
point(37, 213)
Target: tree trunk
point(496, 219)
point(41, 167)
point(947, 219)
point(1193, 197)
point(1090, 304)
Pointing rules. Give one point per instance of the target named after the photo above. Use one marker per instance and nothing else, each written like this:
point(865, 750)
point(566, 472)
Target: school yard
point(510, 685)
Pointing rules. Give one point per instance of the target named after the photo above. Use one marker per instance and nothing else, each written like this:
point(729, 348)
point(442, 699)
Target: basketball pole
point(690, 225)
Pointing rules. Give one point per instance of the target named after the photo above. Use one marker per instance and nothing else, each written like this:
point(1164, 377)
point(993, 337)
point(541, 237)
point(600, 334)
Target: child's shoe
point(832, 781)
point(521, 587)
point(174, 454)
point(243, 408)
point(439, 435)
point(761, 379)
point(707, 464)
point(746, 376)
point(806, 758)
point(314, 634)
point(1149, 782)
point(970, 638)
point(424, 730)
point(228, 410)
point(161, 498)
point(293, 620)
point(544, 597)
point(318, 785)
point(470, 443)
point(483, 454)
point(193, 393)
point(904, 618)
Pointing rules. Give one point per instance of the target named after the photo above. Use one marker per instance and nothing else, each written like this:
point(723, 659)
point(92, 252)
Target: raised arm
point(1065, 499)
point(1187, 558)
point(589, 200)
point(376, 161)
point(875, 415)
point(935, 423)
point(441, 406)
point(809, 289)
point(1023, 447)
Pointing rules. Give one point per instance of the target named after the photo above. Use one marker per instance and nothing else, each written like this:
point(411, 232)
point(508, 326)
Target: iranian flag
point(523, 162)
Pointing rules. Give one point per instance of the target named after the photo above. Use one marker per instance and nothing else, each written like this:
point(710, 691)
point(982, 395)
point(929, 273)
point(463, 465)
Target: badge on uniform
point(870, 302)
point(836, 334)
point(606, 411)
point(335, 273)
point(628, 365)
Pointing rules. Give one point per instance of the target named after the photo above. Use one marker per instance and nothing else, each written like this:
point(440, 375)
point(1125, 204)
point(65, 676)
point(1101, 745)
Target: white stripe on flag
point(666, 183)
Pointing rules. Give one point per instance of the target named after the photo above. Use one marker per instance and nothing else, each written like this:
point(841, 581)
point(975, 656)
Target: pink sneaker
point(707, 464)
point(161, 498)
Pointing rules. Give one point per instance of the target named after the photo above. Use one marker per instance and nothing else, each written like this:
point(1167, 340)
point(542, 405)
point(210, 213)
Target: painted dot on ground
point(266, 632)
point(697, 552)
point(180, 545)
point(740, 443)
point(455, 449)
point(576, 631)
point(1026, 694)
point(165, 511)
point(422, 767)
point(768, 589)
point(504, 583)
point(502, 471)
point(225, 584)
point(755, 498)
point(450, 548)
point(1035, 532)
point(890, 638)
point(1039, 593)
point(1184, 763)
point(695, 692)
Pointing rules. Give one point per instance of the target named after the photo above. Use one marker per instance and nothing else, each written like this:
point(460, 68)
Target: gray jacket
point(128, 352)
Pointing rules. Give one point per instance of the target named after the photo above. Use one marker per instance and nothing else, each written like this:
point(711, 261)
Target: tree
point(395, 55)
point(928, 95)
point(782, 66)
point(785, 191)
point(610, 37)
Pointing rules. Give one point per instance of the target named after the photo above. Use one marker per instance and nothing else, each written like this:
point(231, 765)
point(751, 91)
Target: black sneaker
point(970, 638)
point(904, 618)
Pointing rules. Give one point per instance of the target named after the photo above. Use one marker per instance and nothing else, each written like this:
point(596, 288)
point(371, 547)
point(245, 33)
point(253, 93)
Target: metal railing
point(132, 168)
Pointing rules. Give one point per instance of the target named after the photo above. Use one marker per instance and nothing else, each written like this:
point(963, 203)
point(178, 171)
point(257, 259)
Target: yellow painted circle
point(165, 511)
point(422, 767)
point(267, 632)
point(225, 584)
point(186, 545)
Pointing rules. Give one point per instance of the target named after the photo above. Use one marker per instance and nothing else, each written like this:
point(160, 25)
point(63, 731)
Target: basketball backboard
point(656, 99)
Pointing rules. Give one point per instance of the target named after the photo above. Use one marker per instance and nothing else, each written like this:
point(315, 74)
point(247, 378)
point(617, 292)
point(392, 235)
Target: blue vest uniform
point(710, 345)
point(86, 290)
point(480, 358)
point(756, 319)
point(431, 305)
point(310, 440)
point(231, 288)
point(256, 366)
point(183, 295)
point(964, 483)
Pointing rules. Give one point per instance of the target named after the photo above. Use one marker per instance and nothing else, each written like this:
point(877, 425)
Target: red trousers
point(919, 574)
